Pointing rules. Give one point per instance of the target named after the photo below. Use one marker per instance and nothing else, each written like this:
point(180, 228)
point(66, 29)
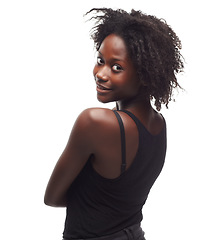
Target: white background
point(46, 61)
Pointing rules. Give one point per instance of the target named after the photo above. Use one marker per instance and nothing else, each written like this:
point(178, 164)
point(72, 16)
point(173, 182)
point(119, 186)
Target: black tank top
point(97, 206)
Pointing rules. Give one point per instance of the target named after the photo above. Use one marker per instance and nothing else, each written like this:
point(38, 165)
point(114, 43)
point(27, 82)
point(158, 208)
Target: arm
point(72, 160)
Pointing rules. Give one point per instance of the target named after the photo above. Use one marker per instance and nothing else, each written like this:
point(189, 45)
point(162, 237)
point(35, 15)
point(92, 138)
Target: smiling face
point(114, 72)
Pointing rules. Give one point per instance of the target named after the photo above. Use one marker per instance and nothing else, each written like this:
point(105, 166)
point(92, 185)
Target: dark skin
point(96, 132)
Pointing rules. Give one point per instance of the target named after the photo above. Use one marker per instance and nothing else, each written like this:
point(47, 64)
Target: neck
point(139, 101)
point(132, 105)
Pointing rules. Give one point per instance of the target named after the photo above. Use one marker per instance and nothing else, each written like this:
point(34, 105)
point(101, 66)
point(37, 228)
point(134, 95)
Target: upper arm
point(78, 149)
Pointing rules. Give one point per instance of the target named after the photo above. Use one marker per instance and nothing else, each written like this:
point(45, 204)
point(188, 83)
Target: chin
point(104, 99)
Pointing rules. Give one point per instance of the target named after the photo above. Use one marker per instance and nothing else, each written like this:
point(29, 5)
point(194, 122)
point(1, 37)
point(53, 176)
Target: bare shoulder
point(158, 117)
point(96, 116)
point(96, 125)
point(157, 123)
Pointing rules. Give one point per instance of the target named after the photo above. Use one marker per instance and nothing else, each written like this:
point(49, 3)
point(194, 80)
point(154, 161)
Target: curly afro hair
point(152, 44)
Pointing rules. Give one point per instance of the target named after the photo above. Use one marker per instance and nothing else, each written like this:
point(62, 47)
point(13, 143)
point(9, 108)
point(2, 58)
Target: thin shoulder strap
point(135, 119)
point(123, 142)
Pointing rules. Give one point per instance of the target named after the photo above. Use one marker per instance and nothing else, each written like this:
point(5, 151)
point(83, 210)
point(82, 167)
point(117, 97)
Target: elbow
point(48, 201)
point(54, 202)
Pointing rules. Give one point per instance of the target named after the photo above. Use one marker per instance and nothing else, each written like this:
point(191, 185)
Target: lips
point(101, 88)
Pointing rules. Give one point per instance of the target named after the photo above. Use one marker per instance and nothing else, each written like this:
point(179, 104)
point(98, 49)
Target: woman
point(113, 157)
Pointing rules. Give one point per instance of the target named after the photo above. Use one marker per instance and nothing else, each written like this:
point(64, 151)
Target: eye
point(100, 61)
point(117, 68)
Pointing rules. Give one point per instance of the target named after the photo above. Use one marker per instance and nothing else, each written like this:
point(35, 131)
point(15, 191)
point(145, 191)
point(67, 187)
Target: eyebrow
point(113, 59)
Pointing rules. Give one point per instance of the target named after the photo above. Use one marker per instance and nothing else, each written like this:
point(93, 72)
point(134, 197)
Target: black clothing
point(98, 206)
point(130, 233)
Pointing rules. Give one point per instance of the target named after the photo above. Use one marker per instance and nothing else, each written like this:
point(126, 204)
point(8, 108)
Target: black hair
point(152, 44)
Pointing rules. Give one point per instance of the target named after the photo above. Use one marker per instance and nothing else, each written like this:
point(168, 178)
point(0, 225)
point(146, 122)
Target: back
point(100, 206)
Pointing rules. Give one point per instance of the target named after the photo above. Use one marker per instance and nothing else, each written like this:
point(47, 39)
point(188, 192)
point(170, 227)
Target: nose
point(102, 74)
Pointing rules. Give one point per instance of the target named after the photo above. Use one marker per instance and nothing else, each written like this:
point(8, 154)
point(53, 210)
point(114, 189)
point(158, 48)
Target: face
point(114, 72)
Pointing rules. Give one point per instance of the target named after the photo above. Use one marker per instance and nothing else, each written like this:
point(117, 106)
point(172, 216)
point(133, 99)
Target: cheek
point(133, 79)
point(131, 84)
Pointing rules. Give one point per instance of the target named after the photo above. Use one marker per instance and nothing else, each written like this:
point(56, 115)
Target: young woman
point(113, 157)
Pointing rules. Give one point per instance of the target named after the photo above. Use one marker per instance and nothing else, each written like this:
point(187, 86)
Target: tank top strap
point(140, 125)
point(135, 119)
point(123, 141)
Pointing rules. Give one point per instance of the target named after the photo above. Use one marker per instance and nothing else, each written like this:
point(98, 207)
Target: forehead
point(114, 45)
